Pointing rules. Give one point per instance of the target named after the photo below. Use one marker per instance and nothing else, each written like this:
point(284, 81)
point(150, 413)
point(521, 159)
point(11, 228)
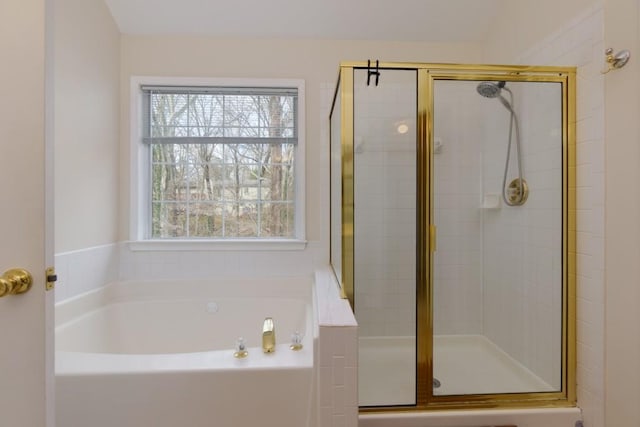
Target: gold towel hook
point(616, 61)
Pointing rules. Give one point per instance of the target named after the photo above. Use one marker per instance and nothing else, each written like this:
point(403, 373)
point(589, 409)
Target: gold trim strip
point(566, 396)
point(466, 68)
point(433, 238)
point(347, 185)
point(570, 210)
point(336, 93)
point(424, 327)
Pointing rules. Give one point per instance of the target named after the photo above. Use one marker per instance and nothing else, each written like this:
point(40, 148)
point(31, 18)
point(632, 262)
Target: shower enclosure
point(453, 232)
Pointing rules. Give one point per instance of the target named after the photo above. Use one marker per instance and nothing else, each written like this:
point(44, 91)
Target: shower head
point(490, 89)
point(494, 90)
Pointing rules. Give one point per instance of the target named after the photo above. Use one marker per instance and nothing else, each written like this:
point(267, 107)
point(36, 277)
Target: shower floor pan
point(464, 364)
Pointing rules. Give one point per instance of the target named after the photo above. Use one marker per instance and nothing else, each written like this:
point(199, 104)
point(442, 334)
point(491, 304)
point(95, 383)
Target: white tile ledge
point(333, 311)
point(218, 245)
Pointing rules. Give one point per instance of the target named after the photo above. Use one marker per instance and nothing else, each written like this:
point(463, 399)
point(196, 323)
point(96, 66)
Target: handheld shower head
point(494, 90)
point(518, 194)
point(490, 89)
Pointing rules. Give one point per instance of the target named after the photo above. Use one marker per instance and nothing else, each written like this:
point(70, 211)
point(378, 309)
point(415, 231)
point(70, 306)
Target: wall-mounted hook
point(616, 61)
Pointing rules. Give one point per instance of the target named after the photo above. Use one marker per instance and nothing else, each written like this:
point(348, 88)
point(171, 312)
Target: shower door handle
point(15, 281)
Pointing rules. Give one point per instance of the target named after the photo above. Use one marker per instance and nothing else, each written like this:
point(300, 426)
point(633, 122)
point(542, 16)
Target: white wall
point(86, 72)
point(312, 60)
point(87, 103)
point(622, 214)
point(524, 23)
point(575, 38)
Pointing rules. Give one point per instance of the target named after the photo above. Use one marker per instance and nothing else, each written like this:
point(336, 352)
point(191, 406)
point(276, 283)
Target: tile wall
point(457, 196)
point(522, 245)
point(84, 270)
point(88, 269)
point(385, 207)
point(581, 42)
point(337, 355)
point(140, 265)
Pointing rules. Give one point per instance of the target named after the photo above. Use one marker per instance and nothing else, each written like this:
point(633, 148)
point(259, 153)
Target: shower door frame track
point(427, 74)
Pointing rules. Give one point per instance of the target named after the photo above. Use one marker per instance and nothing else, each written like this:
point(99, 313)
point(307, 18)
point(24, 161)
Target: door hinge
point(52, 277)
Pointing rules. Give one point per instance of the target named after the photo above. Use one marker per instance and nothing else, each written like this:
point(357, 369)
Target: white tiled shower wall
point(532, 302)
point(385, 208)
point(457, 189)
point(581, 42)
point(522, 269)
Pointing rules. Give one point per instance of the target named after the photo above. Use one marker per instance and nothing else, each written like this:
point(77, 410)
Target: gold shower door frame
point(425, 244)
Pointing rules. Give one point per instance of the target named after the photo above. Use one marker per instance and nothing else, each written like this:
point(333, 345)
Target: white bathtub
point(161, 355)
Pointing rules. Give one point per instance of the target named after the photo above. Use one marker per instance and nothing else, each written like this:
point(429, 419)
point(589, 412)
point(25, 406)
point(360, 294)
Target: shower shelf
point(491, 201)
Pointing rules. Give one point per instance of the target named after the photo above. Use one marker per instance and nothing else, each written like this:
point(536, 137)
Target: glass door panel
point(385, 236)
point(498, 209)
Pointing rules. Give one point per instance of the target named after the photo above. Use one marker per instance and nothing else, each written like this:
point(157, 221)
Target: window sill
point(218, 245)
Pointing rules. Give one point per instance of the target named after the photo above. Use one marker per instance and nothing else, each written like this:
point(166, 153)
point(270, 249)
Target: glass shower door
point(384, 158)
point(498, 270)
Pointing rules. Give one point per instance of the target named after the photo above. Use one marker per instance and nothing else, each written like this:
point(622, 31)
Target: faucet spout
point(268, 336)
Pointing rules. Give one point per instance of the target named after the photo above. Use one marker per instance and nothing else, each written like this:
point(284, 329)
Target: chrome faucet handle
point(296, 341)
point(241, 349)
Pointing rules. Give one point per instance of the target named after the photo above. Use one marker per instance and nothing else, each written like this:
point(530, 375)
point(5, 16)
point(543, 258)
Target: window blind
point(219, 115)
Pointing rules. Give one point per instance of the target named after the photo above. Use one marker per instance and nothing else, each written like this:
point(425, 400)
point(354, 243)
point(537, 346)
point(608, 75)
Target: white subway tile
point(339, 421)
point(338, 371)
point(339, 400)
point(325, 387)
point(326, 417)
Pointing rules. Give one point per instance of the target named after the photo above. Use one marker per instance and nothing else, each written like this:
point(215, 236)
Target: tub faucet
point(268, 336)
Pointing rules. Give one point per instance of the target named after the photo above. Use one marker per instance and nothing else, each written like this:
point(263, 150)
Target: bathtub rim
point(69, 363)
point(127, 290)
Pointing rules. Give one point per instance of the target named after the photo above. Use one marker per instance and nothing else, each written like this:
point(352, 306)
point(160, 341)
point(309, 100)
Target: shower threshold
point(463, 364)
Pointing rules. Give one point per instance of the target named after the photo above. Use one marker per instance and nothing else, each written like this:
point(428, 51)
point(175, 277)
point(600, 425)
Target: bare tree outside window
point(222, 164)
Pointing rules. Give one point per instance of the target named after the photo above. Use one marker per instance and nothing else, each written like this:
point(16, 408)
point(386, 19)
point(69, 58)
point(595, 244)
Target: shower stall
point(453, 232)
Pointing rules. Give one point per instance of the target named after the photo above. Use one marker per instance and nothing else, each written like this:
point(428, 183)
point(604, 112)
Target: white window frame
point(139, 178)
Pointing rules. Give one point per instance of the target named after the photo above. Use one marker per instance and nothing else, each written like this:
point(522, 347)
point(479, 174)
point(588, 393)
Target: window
point(222, 162)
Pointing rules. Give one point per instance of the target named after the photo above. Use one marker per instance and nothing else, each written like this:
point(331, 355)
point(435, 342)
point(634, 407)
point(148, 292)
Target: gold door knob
point(15, 281)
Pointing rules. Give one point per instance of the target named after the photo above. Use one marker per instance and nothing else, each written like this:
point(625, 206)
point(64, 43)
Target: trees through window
point(221, 161)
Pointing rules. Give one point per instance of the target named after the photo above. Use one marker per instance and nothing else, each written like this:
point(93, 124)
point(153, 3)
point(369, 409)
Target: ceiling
point(398, 20)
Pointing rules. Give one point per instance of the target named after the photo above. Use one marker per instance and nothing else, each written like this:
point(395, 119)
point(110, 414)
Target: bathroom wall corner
point(579, 41)
point(85, 270)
